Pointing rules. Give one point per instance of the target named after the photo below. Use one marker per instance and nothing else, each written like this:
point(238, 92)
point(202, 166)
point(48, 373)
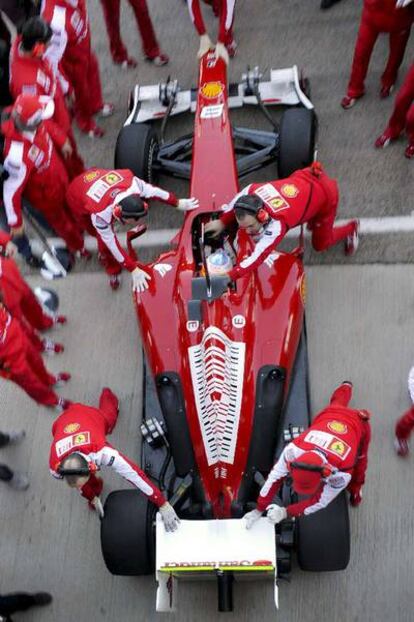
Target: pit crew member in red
point(266, 211)
point(21, 302)
point(225, 43)
point(35, 168)
point(21, 362)
point(31, 73)
point(119, 53)
point(331, 455)
point(102, 196)
point(405, 424)
point(71, 56)
point(402, 116)
point(394, 17)
point(80, 448)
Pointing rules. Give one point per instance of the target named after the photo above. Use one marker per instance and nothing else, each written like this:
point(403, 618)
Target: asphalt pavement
point(359, 319)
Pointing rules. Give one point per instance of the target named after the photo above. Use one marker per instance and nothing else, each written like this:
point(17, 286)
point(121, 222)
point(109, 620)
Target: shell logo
point(71, 428)
point(90, 176)
point(211, 90)
point(338, 427)
point(290, 191)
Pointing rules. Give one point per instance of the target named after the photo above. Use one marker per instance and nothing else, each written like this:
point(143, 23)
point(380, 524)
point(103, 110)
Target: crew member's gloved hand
point(251, 518)
point(275, 513)
point(96, 504)
point(214, 228)
point(205, 45)
point(355, 497)
point(11, 249)
point(221, 52)
point(169, 517)
point(186, 205)
point(400, 4)
point(139, 280)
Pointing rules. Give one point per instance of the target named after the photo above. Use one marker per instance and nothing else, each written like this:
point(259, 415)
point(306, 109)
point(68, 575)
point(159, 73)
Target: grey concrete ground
point(359, 322)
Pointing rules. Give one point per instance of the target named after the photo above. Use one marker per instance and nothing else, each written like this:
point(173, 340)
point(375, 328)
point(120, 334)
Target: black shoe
point(326, 4)
point(35, 262)
point(42, 598)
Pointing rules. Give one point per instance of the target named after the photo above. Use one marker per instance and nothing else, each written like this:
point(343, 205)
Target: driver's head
point(130, 208)
point(307, 473)
point(75, 470)
point(250, 213)
point(36, 36)
point(29, 111)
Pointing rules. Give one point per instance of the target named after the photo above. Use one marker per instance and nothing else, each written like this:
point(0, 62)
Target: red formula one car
point(225, 364)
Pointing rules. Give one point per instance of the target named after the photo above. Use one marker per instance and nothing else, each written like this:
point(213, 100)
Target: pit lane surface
point(359, 323)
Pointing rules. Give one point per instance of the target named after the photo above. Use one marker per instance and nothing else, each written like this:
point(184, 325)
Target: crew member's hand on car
point(11, 249)
point(97, 504)
point(186, 205)
point(275, 513)
point(169, 517)
point(251, 518)
point(221, 52)
point(139, 280)
point(214, 228)
point(205, 45)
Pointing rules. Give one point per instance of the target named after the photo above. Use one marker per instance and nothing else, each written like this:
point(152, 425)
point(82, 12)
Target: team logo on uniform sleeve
point(338, 427)
point(338, 447)
point(71, 428)
point(81, 439)
point(289, 190)
point(112, 178)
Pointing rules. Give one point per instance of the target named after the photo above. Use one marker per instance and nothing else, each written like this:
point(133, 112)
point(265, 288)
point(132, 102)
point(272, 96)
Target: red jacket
point(96, 192)
point(31, 160)
point(300, 198)
point(35, 76)
point(341, 435)
point(385, 13)
point(82, 429)
point(226, 17)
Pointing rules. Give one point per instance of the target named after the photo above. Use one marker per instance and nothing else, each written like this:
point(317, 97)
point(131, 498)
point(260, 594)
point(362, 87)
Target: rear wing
point(148, 103)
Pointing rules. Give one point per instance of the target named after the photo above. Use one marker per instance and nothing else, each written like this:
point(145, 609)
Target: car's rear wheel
point(296, 140)
point(127, 534)
point(323, 538)
point(136, 149)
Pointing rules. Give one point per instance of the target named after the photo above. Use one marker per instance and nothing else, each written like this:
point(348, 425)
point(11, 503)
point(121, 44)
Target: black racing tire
point(127, 534)
point(323, 538)
point(297, 136)
point(136, 149)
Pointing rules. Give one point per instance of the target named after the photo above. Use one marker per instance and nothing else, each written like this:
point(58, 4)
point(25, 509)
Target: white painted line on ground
point(162, 237)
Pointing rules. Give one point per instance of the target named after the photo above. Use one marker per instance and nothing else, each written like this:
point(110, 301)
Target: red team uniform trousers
point(403, 114)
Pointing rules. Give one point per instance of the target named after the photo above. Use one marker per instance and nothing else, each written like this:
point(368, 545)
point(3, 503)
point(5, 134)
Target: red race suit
point(405, 424)
point(70, 54)
point(83, 429)
point(36, 172)
point(19, 299)
point(339, 434)
point(34, 76)
point(226, 17)
point(403, 113)
point(307, 196)
point(21, 362)
point(94, 194)
point(380, 16)
point(111, 11)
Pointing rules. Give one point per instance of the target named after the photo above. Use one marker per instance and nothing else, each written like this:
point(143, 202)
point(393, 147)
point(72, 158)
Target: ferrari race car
point(226, 373)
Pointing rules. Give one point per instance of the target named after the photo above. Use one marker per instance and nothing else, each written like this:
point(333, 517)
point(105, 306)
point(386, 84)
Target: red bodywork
point(219, 360)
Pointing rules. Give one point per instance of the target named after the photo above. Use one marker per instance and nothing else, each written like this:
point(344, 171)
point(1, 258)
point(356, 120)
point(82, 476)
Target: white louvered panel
point(217, 368)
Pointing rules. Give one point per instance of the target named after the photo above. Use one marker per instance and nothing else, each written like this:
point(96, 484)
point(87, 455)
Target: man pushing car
point(264, 212)
point(99, 197)
point(79, 449)
point(328, 457)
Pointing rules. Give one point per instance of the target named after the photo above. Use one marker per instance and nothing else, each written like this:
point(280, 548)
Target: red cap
point(32, 109)
point(304, 481)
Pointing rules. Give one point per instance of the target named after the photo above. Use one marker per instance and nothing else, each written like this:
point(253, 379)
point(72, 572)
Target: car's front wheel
point(136, 149)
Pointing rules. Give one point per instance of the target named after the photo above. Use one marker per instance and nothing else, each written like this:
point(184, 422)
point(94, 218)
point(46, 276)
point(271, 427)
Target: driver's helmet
point(219, 263)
